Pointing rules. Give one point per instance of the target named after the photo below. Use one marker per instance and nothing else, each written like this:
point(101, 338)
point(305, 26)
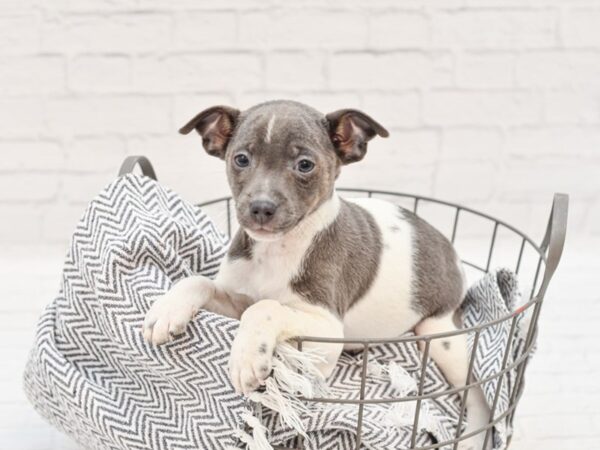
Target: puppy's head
point(282, 158)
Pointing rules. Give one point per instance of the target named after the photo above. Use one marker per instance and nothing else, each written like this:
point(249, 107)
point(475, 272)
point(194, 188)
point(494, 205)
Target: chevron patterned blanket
point(91, 374)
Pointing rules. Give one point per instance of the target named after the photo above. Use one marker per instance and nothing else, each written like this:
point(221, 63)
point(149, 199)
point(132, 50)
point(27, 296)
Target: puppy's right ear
point(216, 126)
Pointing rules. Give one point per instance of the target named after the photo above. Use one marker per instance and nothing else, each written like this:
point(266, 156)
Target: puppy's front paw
point(251, 359)
point(168, 317)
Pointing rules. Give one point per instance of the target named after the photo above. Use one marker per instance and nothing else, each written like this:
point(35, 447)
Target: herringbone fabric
point(92, 375)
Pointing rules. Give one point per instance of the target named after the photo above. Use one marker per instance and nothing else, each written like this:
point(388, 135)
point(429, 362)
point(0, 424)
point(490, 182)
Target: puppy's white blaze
point(270, 126)
point(385, 310)
point(276, 259)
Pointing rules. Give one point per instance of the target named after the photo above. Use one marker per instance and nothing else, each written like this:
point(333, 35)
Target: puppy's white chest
point(267, 274)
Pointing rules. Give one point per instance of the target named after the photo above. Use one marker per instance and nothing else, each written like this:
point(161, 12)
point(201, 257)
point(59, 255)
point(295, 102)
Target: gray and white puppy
point(306, 262)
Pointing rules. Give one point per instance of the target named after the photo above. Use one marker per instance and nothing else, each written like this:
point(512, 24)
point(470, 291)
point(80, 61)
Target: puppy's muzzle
point(262, 211)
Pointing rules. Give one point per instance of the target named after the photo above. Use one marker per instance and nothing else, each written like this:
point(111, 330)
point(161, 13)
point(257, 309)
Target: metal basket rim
point(414, 196)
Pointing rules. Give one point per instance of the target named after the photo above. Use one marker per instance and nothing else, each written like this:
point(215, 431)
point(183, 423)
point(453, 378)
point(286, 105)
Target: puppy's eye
point(241, 160)
point(305, 165)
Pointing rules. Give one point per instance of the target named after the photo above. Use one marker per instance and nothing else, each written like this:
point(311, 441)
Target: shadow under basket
point(508, 247)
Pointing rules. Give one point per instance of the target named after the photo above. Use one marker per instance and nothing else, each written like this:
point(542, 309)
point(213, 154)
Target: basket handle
point(554, 239)
point(131, 161)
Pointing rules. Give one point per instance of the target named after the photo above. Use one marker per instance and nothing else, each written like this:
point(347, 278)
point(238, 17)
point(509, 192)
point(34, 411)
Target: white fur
point(276, 259)
point(384, 311)
point(453, 361)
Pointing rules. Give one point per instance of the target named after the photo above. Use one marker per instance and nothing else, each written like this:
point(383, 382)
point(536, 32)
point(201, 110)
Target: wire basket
point(534, 263)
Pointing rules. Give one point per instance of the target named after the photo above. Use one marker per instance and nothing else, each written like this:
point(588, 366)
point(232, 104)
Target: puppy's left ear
point(350, 130)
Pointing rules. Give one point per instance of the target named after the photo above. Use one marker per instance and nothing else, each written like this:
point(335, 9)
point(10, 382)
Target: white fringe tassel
point(399, 378)
point(295, 374)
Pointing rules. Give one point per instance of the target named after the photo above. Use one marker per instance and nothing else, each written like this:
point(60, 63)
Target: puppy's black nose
point(262, 210)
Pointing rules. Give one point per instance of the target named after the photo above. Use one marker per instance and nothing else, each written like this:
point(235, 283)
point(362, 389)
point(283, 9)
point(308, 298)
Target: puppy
point(305, 262)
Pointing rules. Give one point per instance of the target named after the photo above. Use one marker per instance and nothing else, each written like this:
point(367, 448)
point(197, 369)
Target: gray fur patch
point(438, 282)
point(241, 246)
point(342, 262)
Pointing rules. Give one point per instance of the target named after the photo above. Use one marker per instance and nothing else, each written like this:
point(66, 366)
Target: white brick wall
point(493, 103)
